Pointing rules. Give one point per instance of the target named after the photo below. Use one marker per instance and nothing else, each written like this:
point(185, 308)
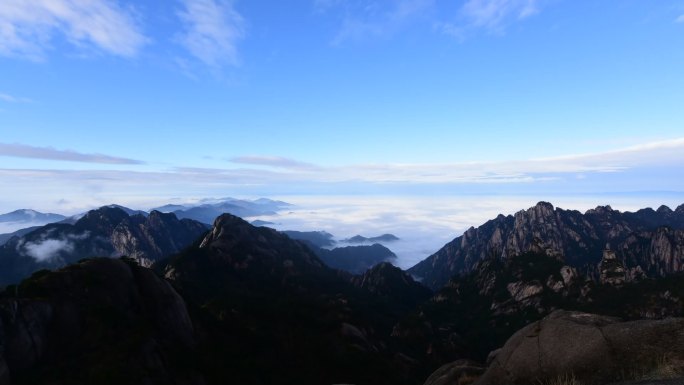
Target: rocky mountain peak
point(664, 210)
point(234, 246)
point(387, 280)
point(569, 236)
point(102, 220)
point(601, 210)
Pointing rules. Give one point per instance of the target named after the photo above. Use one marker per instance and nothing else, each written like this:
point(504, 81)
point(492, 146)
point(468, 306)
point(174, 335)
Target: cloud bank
point(24, 151)
point(45, 249)
point(654, 167)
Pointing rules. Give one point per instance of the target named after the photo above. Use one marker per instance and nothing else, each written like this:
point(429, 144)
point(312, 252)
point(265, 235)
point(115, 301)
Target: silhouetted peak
point(664, 210)
point(600, 210)
point(545, 205)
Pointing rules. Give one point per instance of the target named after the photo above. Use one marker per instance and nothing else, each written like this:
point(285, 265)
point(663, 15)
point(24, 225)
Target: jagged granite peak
point(576, 239)
point(233, 246)
point(105, 232)
point(102, 220)
point(150, 238)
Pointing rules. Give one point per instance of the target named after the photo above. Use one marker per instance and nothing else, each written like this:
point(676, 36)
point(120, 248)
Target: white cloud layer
point(28, 27)
point(23, 151)
point(213, 29)
point(654, 167)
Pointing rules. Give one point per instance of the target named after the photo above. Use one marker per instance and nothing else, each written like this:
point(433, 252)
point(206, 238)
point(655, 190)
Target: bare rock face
point(611, 269)
point(454, 373)
point(652, 241)
point(149, 239)
point(595, 349)
point(521, 291)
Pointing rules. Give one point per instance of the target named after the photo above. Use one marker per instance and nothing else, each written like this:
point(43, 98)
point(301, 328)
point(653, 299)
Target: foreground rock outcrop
point(593, 349)
point(98, 321)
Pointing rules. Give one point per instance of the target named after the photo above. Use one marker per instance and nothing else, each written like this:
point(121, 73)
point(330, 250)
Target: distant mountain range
point(379, 239)
point(206, 211)
point(352, 259)
point(32, 216)
point(107, 231)
point(648, 242)
point(314, 238)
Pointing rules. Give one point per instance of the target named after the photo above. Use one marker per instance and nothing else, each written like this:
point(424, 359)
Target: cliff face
point(149, 239)
point(647, 239)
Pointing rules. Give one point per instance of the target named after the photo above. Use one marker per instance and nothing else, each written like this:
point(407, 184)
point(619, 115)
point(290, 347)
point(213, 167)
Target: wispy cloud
point(27, 28)
point(49, 153)
point(680, 19)
point(213, 29)
point(493, 16)
point(363, 19)
point(13, 99)
point(274, 161)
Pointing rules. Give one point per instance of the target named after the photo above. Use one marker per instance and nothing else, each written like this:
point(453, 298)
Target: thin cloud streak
point(27, 28)
point(13, 99)
point(274, 161)
point(362, 20)
point(24, 151)
point(213, 29)
point(680, 19)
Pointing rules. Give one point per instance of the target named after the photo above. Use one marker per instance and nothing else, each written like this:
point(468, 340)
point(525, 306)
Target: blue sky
point(136, 102)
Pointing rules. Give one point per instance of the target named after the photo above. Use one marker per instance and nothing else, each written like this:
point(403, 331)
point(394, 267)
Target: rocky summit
point(647, 242)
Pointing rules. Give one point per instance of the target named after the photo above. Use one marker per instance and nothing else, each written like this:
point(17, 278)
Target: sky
point(342, 103)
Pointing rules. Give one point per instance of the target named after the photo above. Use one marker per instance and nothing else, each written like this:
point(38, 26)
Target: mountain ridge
point(575, 238)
